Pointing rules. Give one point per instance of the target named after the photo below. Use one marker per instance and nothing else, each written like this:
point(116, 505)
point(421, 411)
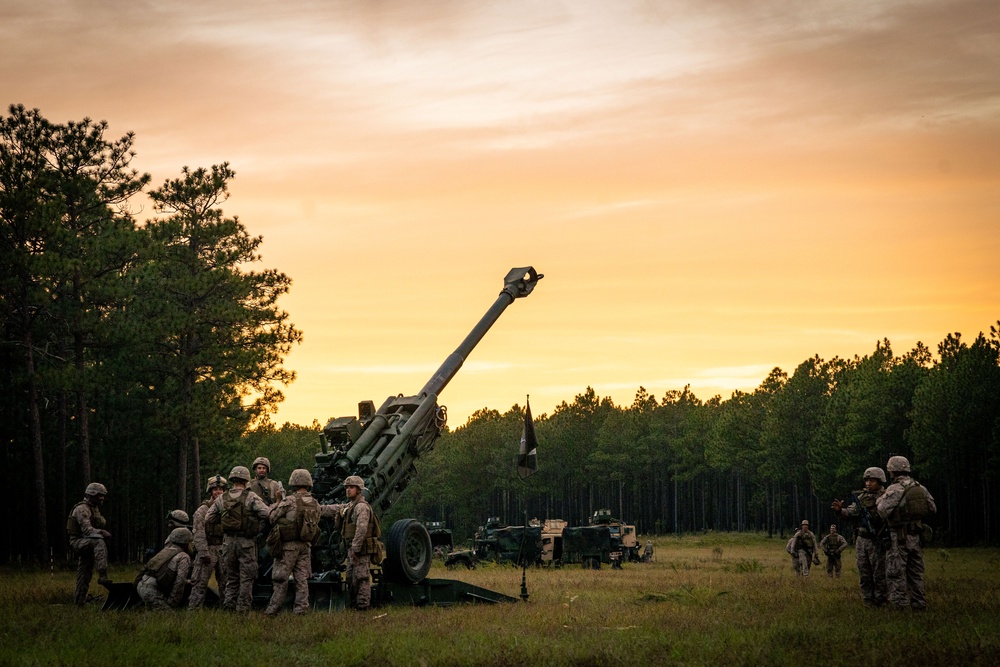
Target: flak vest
point(213, 531)
point(350, 527)
point(96, 520)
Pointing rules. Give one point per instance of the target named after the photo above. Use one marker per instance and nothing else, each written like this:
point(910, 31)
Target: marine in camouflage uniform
point(903, 505)
point(239, 546)
point(269, 490)
point(869, 543)
point(355, 520)
point(833, 544)
point(208, 548)
point(806, 546)
point(87, 535)
point(295, 554)
point(164, 578)
point(790, 549)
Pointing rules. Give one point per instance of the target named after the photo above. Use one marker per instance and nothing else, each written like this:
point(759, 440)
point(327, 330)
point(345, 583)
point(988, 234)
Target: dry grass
point(713, 599)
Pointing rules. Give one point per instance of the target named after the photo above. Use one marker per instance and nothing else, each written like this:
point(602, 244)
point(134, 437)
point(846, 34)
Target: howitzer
point(382, 446)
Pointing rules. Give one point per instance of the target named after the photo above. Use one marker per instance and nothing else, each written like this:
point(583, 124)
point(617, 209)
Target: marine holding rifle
point(871, 536)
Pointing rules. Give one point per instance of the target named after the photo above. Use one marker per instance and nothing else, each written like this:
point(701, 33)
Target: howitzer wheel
point(408, 552)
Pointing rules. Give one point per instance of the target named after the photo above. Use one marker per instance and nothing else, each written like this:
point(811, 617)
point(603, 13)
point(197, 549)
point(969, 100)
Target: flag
point(527, 457)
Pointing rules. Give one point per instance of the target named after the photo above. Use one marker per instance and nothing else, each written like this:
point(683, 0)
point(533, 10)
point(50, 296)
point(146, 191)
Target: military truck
point(441, 537)
point(624, 539)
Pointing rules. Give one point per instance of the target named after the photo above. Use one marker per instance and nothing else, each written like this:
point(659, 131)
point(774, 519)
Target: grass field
point(716, 599)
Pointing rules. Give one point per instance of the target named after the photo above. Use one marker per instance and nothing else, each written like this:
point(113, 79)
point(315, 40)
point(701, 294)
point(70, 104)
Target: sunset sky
point(711, 188)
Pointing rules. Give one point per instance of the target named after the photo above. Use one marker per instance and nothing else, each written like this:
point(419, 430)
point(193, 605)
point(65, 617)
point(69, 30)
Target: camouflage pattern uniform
point(295, 558)
point(208, 558)
point(177, 563)
point(239, 551)
point(268, 489)
point(805, 545)
point(833, 544)
point(86, 529)
point(869, 550)
point(354, 519)
point(904, 561)
point(790, 548)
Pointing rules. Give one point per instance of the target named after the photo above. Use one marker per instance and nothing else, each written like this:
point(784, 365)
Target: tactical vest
point(73, 525)
point(213, 531)
point(914, 505)
point(158, 568)
point(349, 527)
point(867, 500)
point(301, 523)
point(263, 489)
point(806, 541)
point(237, 519)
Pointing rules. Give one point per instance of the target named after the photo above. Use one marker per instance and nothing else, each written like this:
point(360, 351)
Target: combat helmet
point(96, 489)
point(179, 517)
point(300, 477)
point(898, 464)
point(181, 536)
point(805, 522)
point(354, 480)
point(216, 482)
point(875, 473)
point(240, 472)
point(262, 460)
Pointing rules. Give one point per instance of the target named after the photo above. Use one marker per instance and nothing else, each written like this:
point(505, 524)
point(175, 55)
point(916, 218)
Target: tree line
point(133, 353)
point(759, 461)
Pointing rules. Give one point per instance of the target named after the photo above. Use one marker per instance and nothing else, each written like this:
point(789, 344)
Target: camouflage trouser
point(203, 572)
point(296, 560)
point(904, 571)
point(833, 564)
point(871, 570)
point(91, 552)
point(151, 593)
point(239, 557)
point(795, 563)
point(359, 580)
point(805, 561)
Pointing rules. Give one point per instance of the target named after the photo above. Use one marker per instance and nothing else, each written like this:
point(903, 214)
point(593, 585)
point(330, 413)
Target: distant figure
point(806, 547)
point(869, 546)
point(87, 535)
point(832, 545)
point(164, 577)
point(790, 548)
point(647, 552)
point(904, 505)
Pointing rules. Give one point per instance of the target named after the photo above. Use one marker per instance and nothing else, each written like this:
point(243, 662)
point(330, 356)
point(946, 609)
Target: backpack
point(914, 504)
point(236, 518)
point(307, 520)
point(158, 568)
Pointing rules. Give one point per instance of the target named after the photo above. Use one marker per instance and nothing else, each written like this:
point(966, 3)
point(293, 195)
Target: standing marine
point(358, 528)
point(833, 544)
point(240, 511)
point(904, 505)
point(87, 534)
point(869, 545)
point(806, 547)
point(208, 548)
point(164, 577)
point(294, 529)
point(268, 489)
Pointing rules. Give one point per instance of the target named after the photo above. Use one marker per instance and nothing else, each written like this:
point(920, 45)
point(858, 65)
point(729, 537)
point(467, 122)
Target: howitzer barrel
point(518, 283)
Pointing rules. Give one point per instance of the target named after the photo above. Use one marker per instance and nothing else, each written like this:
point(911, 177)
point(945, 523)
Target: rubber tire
point(408, 552)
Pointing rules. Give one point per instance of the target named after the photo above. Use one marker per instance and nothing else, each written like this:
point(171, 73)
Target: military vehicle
point(624, 540)
point(441, 537)
point(381, 446)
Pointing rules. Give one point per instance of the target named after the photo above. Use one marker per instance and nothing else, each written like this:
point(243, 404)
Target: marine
point(208, 548)
point(358, 529)
point(87, 532)
point(869, 543)
point(806, 548)
point(268, 489)
point(240, 511)
point(904, 505)
point(163, 580)
point(833, 544)
point(294, 529)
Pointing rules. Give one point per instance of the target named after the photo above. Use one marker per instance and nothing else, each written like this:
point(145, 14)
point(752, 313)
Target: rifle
point(868, 522)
